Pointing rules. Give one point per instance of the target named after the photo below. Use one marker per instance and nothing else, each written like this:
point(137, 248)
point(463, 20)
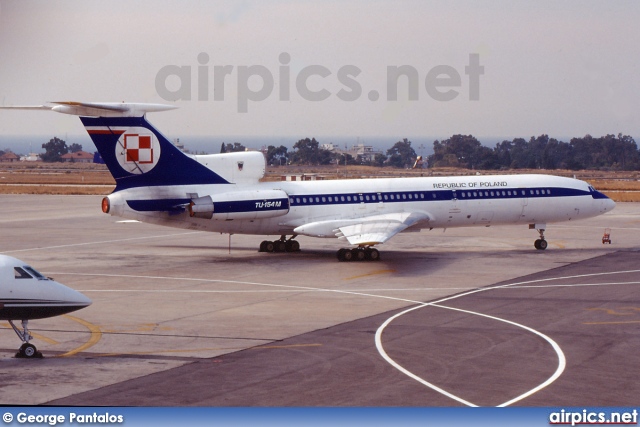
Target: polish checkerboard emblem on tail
point(137, 150)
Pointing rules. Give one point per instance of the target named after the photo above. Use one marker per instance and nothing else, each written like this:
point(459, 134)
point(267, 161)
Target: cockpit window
point(35, 273)
point(19, 273)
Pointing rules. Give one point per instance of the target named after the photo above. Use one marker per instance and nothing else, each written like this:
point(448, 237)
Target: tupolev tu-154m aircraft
point(157, 183)
point(26, 294)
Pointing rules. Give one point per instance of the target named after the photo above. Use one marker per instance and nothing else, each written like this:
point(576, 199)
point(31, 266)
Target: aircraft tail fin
point(138, 155)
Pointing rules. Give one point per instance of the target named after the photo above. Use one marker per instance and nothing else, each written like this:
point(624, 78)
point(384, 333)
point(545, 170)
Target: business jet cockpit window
point(35, 273)
point(19, 273)
point(26, 272)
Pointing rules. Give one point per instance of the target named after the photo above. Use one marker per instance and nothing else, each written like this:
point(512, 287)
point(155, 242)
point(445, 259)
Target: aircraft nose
point(609, 204)
point(81, 299)
point(71, 297)
point(605, 204)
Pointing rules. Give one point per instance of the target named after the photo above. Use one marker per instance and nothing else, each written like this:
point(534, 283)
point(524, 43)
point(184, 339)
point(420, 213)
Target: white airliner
point(26, 294)
point(159, 184)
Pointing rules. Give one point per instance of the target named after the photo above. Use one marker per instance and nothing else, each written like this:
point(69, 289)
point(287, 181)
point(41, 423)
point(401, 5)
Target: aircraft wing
point(368, 230)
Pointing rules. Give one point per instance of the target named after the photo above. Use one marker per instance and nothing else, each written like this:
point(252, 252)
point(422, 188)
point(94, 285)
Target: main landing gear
point(282, 245)
point(358, 254)
point(27, 350)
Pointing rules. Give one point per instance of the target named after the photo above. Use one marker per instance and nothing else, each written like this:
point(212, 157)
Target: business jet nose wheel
point(26, 350)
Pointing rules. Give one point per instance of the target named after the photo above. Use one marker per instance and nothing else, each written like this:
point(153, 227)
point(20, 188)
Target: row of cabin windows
point(471, 194)
point(358, 198)
point(408, 196)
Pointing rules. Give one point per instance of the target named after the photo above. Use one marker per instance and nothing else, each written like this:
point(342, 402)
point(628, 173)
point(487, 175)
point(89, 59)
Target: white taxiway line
point(98, 243)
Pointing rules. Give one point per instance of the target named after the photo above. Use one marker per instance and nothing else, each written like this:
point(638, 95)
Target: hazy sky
point(562, 68)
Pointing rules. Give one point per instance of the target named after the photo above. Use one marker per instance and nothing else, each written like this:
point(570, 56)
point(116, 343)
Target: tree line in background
point(605, 152)
point(465, 151)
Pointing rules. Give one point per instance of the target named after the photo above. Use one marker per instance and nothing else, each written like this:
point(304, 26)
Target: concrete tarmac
point(178, 319)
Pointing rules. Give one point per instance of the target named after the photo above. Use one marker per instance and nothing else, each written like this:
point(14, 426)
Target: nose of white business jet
point(71, 298)
point(80, 299)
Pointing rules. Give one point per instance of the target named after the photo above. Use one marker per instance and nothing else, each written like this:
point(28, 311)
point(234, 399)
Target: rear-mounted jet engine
point(256, 204)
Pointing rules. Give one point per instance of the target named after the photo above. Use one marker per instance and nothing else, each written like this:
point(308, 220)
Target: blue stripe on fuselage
point(437, 195)
point(598, 195)
point(178, 205)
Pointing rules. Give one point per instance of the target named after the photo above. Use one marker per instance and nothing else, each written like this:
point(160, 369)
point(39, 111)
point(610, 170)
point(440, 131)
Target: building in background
point(9, 157)
point(31, 157)
point(78, 157)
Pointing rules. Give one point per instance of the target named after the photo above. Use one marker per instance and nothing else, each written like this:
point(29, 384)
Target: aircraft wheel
point(345, 255)
point(541, 244)
point(269, 246)
point(279, 246)
point(29, 351)
point(358, 254)
point(293, 246)
point(263, 246)
point(372, 254)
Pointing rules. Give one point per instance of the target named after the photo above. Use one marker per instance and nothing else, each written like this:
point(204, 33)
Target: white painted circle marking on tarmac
point(554, 345)
point(561, 359)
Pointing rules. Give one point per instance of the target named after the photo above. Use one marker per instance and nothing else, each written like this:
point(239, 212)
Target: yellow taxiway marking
point(621, 311)
point(373, 273)
point(96, 335)
point(43, 338)
point(610, 323)
point(286, 346)
point(35, 335)
point(193, 350)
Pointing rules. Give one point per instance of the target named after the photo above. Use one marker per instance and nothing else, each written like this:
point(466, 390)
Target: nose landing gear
point(27, 350)
point(540, 244)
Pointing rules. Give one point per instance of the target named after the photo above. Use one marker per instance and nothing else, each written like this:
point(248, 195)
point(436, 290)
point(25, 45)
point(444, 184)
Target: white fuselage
point(26, 294)
point(446, 202)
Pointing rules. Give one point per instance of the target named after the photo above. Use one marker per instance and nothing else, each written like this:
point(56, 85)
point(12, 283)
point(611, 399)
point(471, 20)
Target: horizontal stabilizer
point(98, 109)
